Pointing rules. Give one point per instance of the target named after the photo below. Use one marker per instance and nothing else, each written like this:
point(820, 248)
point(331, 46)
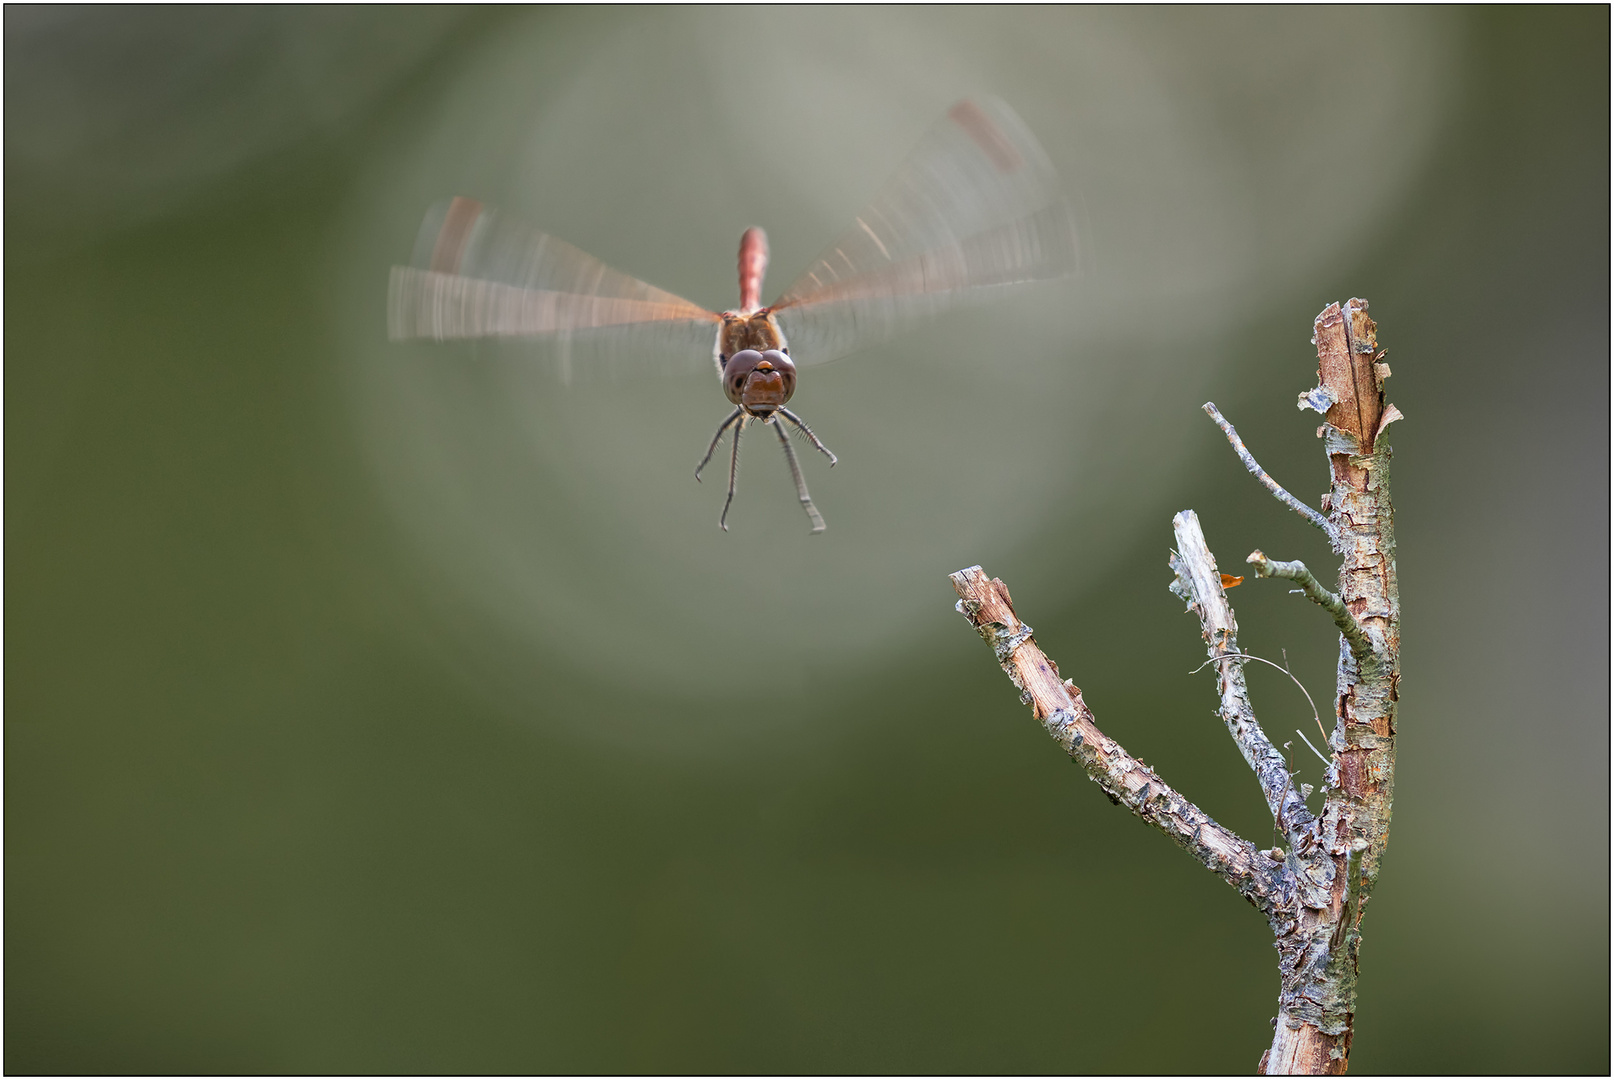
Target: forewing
point(975, 208)
point(478, 273)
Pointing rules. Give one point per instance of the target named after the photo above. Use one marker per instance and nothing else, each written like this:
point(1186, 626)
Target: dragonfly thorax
point(757, 330)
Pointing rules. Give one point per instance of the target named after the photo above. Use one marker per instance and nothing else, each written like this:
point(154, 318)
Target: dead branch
point(1313, 896)
point(1127, 781)
point(1317, 998)
point(1200, 584)
point(1261, 474)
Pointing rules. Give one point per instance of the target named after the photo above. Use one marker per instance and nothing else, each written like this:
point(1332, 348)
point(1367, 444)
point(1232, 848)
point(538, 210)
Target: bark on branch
point(1128, 782)
point(1200, 584)
point(1317, 999)
point(1313, 896)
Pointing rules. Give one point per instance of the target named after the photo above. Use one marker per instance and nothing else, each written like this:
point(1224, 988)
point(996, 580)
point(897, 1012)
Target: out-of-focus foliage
point(378, 707)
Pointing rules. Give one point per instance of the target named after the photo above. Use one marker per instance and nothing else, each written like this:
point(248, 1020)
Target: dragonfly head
point(759, 382)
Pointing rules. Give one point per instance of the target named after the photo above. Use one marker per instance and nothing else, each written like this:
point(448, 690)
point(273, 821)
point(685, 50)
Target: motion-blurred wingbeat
point(975, 208)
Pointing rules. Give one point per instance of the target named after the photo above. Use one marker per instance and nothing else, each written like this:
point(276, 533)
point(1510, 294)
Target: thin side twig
point(1315, 715)
point(1262, 475)
point(1128, 782)
point(1313, 749)
point(1361, 645)
point(1200, 584)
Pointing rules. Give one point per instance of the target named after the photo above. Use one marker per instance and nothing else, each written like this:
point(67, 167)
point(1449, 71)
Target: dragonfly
point(975, 209)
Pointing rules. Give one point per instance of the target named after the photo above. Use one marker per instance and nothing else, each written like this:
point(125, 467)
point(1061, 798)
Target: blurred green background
point(401, 708)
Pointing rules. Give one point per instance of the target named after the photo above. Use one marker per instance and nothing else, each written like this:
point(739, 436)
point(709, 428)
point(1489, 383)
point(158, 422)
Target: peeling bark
point(1312, 896)
point(1200, 584)
point(1318, 965)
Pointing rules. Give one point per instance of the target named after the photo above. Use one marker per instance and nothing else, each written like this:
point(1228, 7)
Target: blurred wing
point(476, 273)
point(976, 207)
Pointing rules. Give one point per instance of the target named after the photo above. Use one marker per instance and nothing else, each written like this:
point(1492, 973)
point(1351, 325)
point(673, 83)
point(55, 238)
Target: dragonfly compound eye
point(740, 365)
point(769, 384)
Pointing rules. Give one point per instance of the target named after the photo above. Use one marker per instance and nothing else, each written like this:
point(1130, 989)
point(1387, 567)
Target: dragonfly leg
point(801, 483)
point(712, 449)
point(801, 426)
point(734, 473)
